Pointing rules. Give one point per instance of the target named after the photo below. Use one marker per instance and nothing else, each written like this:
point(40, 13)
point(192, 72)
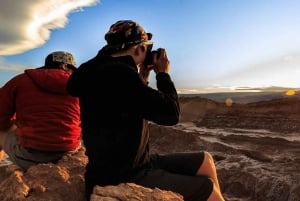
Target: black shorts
point(177, 173)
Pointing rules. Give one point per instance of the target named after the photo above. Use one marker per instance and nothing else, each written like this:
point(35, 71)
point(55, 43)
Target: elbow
point(172, 120)
point(167, 120)
point(172, 123)
point(175, 120)
point(174, 117)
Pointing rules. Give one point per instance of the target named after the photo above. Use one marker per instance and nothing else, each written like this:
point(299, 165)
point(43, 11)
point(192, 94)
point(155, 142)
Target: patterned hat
point(61, 57)
point(126, 33)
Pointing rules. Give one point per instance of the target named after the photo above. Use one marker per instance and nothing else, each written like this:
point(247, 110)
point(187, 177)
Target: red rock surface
point(130, 191)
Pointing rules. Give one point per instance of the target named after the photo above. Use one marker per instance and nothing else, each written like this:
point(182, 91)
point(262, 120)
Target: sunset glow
point(290, 93)
point(228, 102)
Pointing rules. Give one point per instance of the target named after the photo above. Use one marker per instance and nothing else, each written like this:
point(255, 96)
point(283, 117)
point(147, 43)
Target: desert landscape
point(255, 144)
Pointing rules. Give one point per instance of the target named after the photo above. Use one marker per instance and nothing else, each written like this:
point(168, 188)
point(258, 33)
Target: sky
point(213, 45)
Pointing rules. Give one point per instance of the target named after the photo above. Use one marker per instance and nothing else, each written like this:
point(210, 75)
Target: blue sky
point(212, 44)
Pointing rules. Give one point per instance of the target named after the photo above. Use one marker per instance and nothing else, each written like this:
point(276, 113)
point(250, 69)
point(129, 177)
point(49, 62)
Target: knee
point(208, 158)
point(208, 166)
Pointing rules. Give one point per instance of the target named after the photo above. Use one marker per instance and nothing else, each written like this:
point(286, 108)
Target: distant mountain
point(278, 113)
point(246, 97)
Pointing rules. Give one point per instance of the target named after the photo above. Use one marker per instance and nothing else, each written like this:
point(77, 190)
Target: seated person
point(39, 120)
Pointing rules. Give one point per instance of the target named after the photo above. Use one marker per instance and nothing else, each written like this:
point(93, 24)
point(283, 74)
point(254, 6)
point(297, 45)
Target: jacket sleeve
point(160, 105)
point(7, 105)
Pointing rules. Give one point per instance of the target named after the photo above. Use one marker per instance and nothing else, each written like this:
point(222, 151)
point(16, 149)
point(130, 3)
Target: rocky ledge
point(64, 181)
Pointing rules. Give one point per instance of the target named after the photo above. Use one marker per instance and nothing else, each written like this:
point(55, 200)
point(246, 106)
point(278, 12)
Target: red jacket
point(47, 118)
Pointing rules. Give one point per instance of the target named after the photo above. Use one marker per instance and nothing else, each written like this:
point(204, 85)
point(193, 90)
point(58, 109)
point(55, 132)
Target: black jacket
point(115, 104)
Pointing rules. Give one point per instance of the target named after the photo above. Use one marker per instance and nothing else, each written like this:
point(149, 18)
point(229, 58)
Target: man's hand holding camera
point(161, 62)
point(157, 61)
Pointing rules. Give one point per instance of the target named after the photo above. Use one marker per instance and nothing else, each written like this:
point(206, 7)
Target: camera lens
point(149, 57)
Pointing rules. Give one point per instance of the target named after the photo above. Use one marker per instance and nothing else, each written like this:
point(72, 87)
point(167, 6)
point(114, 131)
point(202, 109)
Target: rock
point(133, 192)
point(46, 182)
point(64, 181)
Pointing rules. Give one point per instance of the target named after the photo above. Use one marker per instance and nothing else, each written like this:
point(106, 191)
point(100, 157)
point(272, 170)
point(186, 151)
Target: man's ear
point(139, 48)
point(143, 48)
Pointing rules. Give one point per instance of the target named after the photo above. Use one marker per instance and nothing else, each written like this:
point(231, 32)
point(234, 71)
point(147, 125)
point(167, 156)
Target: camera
point(149, 57)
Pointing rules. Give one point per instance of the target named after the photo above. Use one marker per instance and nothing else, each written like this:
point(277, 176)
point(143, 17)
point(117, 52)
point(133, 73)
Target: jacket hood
point(52, 80)
point(78, 82)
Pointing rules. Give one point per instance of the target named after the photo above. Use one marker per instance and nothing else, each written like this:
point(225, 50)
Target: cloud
point(11, 67)
point(280, 71)
point(27, 24)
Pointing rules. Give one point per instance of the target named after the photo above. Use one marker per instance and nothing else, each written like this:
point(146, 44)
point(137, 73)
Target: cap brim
point(147, 42)
point(149, 35)
point(71, 67)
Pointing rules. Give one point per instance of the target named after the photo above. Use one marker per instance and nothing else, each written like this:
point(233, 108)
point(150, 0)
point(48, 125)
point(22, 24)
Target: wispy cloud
point(281, 71)
point(11, 67)
point(27, 24)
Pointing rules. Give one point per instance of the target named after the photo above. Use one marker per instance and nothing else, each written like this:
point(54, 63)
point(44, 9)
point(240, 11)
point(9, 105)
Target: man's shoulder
point(108, 63)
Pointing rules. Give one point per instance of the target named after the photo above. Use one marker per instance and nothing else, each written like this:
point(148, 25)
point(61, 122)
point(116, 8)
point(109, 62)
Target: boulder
point(64, 181)
point(133, 192)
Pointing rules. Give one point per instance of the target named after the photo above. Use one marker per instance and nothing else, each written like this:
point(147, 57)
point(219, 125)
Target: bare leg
point(208, 168)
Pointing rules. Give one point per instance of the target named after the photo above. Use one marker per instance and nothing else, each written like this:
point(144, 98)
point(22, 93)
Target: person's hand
point(161, 61)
